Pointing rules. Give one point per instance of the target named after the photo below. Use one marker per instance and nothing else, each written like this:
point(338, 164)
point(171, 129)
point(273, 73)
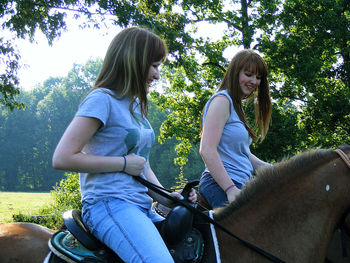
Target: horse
point(23, 242)
point(290, 210)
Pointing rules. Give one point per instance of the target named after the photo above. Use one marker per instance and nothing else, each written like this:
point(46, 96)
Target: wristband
point(124, 164)
point(228, 188)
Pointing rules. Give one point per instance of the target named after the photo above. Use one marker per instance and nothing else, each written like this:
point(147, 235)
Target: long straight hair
point(126, 64)
point(249, 60)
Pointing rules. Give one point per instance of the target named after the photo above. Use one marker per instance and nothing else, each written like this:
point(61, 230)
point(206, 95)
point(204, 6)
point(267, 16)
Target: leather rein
point(343, 156)
point(346, 159)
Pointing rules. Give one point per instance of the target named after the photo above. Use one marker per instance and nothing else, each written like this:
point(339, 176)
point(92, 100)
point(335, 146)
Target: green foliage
point(66, 195)
point(304, 42)
point(49, 109)
point(8, 80)
point(284, 135)
point(309, 57)
point(332, 108)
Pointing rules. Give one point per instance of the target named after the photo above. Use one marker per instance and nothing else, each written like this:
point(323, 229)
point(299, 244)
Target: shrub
point(66, 195)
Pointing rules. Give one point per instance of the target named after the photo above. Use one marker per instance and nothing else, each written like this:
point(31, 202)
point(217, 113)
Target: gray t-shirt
point(119, 135)
point(233, 147)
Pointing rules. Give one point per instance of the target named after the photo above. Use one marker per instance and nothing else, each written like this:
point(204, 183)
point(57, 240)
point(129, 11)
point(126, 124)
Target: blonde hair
point(127, 62)
point(249, 60)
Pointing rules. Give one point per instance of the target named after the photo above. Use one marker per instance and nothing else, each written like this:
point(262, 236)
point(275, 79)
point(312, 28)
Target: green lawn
point(26, 203)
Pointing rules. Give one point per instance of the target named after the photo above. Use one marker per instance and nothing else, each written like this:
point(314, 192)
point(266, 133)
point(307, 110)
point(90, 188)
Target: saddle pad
point(65, 246)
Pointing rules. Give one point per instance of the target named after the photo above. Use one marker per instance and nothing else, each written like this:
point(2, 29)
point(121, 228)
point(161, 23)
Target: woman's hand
point(232, 194)
point(192, 197)
point(134, 164)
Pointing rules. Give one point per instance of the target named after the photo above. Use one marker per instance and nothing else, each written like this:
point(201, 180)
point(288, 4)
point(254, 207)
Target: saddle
point(75, 243)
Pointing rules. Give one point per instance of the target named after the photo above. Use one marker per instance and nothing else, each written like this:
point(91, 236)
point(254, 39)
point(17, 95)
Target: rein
point(160, 190)
point(343, 239)
point(343, 156)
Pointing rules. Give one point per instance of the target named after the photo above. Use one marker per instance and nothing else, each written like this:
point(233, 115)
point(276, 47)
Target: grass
point(26, 203)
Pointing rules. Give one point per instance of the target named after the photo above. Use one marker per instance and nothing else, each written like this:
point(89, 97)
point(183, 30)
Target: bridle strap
point(343, 156)
point(343, 239)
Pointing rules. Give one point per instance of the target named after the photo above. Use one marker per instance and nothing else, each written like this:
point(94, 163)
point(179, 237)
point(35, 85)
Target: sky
point(75, 46)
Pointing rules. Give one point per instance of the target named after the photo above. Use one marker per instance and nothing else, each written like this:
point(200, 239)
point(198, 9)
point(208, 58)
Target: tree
point(24, 18)
point(309, 55)
point(8, 80)
point(305, 43)
point(17, 133)
point(29, 136)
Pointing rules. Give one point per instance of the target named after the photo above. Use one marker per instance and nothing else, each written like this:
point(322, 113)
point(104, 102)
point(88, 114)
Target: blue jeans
point(212, 192)
point(128, 230)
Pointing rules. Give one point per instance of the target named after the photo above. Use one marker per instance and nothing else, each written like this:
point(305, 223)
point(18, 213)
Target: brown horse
point(290, 210)
point(23, 242)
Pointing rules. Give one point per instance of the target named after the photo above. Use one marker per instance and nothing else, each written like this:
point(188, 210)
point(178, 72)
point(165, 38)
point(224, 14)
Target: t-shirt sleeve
point(95, 105)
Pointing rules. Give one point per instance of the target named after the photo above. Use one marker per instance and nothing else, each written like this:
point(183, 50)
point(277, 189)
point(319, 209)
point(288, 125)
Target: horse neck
point(295, 219)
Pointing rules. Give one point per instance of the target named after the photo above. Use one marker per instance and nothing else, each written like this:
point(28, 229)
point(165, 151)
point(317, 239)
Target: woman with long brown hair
point(109, 141)
point(226, 134)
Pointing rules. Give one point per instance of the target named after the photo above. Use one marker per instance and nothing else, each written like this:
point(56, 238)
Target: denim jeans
point(212, 192)
point(127, 229)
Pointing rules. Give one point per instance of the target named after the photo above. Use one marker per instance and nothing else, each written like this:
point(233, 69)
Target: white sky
point(74, 46)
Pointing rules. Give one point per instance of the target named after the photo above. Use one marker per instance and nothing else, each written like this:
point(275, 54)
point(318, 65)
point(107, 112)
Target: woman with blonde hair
point(226, 135)
point(109, 142)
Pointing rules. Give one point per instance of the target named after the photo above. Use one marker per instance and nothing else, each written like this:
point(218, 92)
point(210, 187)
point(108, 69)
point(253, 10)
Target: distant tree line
point(28, 137)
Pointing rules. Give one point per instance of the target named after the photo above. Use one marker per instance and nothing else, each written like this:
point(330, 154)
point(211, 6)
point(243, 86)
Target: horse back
point(23, 242)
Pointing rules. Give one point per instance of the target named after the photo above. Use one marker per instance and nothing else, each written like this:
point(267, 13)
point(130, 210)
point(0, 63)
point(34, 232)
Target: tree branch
point(214, 64)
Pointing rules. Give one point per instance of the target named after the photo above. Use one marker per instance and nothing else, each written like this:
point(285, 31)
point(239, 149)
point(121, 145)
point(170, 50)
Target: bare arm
point(69, 156)
point(217, 115)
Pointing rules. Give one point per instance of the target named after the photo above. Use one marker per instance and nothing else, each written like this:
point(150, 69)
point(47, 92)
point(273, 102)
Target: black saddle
point(77, 244)
point(73, 221)
point(173, 229)
point(184, 242)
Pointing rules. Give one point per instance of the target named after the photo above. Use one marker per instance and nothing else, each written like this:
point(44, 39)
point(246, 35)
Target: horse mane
point(273, 177)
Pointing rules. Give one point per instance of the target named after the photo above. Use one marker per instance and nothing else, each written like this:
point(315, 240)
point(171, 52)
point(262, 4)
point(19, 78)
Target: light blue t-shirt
point(233, 147)
point(119, 135)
